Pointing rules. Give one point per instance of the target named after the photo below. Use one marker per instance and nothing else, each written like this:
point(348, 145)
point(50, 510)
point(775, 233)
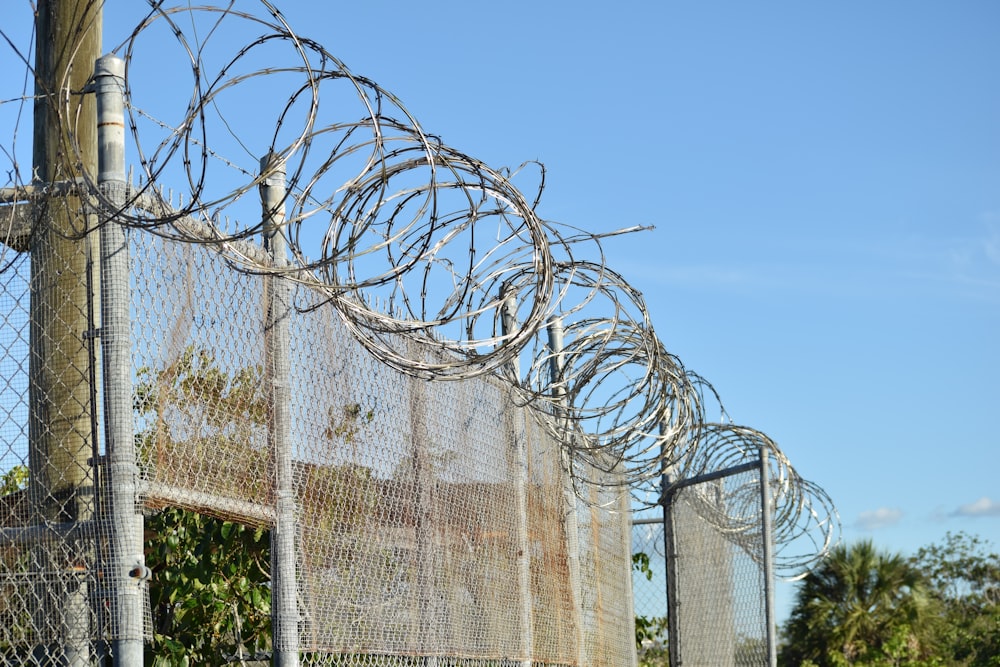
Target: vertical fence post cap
point(272, 169)
point(109, 65)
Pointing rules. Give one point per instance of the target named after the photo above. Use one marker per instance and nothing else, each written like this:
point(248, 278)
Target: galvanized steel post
point(519, 453)
point(670, 554)
point(557, 370)
point(284, 603)
point(767, 539)
point(124, 522)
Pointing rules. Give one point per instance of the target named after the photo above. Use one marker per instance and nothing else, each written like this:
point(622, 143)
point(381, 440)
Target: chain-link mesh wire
point(718, 576)
point(432, 517)
point(201, 401)
point(56, 598)
point(720, 579)
point(649, 588)
point(606, 594)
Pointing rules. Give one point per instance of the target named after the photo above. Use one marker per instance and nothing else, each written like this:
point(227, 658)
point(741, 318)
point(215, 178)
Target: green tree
point(965, 578)
point(210, 592)
point(14, 480)
point(861, 606)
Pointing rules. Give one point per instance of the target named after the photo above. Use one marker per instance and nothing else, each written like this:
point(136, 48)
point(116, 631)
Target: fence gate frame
point(670, 488)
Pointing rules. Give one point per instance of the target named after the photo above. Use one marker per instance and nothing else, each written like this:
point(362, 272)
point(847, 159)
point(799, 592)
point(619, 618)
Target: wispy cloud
point(991, 245)
point(982, 507)
point(880, 518)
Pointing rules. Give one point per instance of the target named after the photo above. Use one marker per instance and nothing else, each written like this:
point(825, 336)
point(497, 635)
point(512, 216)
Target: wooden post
point(68, 41)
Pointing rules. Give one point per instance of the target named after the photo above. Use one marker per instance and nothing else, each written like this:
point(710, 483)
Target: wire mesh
point(57, 593)
point(431, 517)
point(606, 591)
point(422, 531)
point(719, 574)
point(649, 589)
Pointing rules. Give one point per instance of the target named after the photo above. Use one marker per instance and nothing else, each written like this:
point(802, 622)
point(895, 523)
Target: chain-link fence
point(430, 519)
point(58, 595)
point(431, 516)
point(649, 589)
point(708, 551)
point(355, 432)
point(720, 576)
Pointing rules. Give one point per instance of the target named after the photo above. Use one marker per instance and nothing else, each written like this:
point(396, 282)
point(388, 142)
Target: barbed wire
point(805, 522)
point(406, 236)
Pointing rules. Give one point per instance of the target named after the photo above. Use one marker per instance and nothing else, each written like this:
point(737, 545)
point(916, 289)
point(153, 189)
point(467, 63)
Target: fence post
point(670, 560)
point(423, 617)
point(60, 425)
point(557, 371)
point(284, 609)
point(128, 569)
point(767, 540)
point(520, 459)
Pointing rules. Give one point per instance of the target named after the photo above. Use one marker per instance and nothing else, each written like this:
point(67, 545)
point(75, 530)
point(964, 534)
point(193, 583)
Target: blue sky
point(824, 180)
point(825, 185)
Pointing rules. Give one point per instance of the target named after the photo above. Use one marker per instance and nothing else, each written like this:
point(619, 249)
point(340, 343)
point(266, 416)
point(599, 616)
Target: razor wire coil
point(406, 236)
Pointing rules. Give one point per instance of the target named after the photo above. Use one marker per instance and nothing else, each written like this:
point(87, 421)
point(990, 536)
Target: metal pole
point(767, 539)
point(128, 569)
point(424, 614)
point(557, 371)
point(520, 461)
point(284, 609)
point(669, 549)
point(667, 494)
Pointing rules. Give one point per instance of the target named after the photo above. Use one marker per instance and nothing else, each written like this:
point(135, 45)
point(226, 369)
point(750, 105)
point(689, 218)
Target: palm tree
point(859, 606)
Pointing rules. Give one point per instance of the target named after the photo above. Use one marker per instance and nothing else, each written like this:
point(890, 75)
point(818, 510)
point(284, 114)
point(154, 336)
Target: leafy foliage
point(965, 579)
point(13, 480)
point(15, 619)
point(861, 606)
point(210, 595)
point(940, 608)
point(650, 631)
